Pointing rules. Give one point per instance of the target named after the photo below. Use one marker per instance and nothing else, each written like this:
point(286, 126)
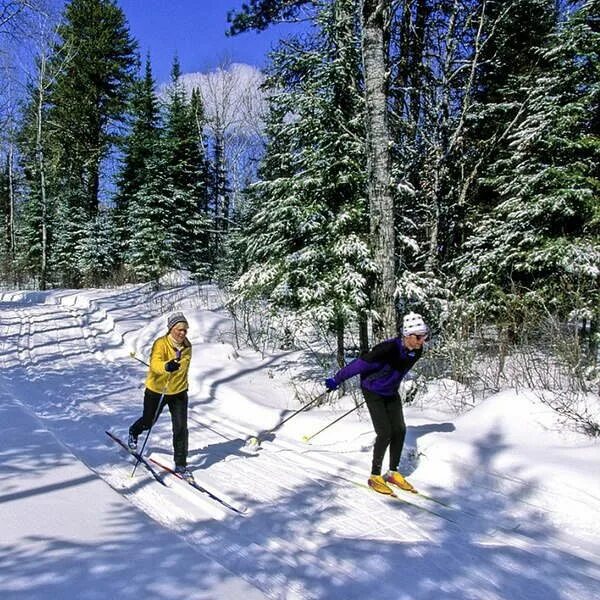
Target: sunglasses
point(420, 337)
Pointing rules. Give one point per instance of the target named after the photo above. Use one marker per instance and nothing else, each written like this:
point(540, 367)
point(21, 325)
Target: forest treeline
point(435, 155)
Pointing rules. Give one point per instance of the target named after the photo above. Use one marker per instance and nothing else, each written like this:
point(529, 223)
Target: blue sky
point(195, 31)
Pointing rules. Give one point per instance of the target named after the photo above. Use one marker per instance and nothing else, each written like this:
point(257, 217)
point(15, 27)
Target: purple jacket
point(382, 368)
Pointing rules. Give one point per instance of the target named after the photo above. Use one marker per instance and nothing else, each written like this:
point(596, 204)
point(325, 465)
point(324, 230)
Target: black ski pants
point(390, 429)
point(178, 407)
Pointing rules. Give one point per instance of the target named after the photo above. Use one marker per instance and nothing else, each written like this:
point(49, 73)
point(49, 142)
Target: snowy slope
point(514, 496)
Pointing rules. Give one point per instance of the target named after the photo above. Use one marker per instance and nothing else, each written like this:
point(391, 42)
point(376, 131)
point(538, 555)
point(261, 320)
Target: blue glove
point(172, 366)
point(331, 384)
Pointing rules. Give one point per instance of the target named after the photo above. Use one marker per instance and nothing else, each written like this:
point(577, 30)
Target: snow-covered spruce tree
point(139, 146)
point(511, 31)
point(431, 54)
point(507, 61)
point(541, 241)
point(36, 225)
point(150, 253)
point(69, 226)
point(188, 223)
point(96, 257)
point(305, 239)
point(445, 59)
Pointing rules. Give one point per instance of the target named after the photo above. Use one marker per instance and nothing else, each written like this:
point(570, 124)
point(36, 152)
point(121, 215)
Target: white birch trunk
point(42, 174)
point(11, 205)
point(378, 147)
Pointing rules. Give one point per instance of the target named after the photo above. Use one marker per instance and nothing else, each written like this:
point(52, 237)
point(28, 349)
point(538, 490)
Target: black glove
point(172, 366)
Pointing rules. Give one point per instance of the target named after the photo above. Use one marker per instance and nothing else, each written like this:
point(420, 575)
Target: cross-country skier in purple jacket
point(381, 370)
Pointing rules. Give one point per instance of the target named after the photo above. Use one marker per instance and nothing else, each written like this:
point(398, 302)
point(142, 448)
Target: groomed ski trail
point(298, 535)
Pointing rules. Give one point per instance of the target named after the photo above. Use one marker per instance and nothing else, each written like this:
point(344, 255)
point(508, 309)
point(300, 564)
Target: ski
point(396, 497)
point(138, 456)
point(425, 496)
point(405, 500)
point(415, 492)
point(455, 510)
point(239, 510)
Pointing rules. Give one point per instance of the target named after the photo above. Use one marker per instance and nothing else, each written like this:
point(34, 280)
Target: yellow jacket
point(159, 380)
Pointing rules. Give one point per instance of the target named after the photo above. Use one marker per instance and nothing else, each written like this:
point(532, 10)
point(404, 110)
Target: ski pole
point(255, 441)
point(307, 438)
point(132, 354)
point(156, 413)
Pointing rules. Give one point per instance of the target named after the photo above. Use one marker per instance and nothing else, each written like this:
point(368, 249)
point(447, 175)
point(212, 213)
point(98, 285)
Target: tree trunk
point(341, 350)
point(363, 333)
point(12, 253)
point(39, 144)
point(374, 14)
point(416, 60)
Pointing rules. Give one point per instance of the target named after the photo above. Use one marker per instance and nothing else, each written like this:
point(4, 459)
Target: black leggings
point(178, 405)
point(390, 428)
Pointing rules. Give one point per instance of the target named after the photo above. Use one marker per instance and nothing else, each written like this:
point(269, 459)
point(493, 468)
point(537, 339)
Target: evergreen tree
point(168, 206)
point(541, 240)
point(187, 172)
point(451, 63)
point(306, 232)
point(150, 251)
point(507, 59)
point(89, 97)
point(36, 226)
point(372, 32)
point(96, 257)
point(206, 255)
point(87, 100)
point(140, 145)
point(69, 228)
point(231, 99)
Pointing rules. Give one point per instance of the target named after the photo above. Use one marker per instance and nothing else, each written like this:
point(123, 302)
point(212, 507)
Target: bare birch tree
point(234, 108)
point(18, 27)
point(42, 85)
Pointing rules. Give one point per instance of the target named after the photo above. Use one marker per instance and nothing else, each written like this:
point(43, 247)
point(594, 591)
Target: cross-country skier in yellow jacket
point(167, 384)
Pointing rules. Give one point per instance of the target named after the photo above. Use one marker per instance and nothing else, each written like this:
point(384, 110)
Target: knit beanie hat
point(175, 318)
point(413, 324)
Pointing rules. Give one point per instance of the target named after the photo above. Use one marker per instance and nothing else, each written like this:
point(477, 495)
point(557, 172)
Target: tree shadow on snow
point(317, 539)
point(336, 543)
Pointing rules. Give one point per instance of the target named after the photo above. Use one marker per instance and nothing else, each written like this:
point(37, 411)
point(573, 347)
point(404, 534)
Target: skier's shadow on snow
point(205, 457)
point(268, 435)
point(413, 433)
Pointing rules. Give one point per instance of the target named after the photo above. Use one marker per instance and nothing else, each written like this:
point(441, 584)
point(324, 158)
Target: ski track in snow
point(306, 531)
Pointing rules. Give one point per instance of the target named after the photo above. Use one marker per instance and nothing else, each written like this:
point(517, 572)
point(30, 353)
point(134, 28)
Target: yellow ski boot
point(379, 485)
point(398, 480)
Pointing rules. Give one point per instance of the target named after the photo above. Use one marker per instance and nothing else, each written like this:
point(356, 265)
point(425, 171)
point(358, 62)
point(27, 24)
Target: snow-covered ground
point(514, 496)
